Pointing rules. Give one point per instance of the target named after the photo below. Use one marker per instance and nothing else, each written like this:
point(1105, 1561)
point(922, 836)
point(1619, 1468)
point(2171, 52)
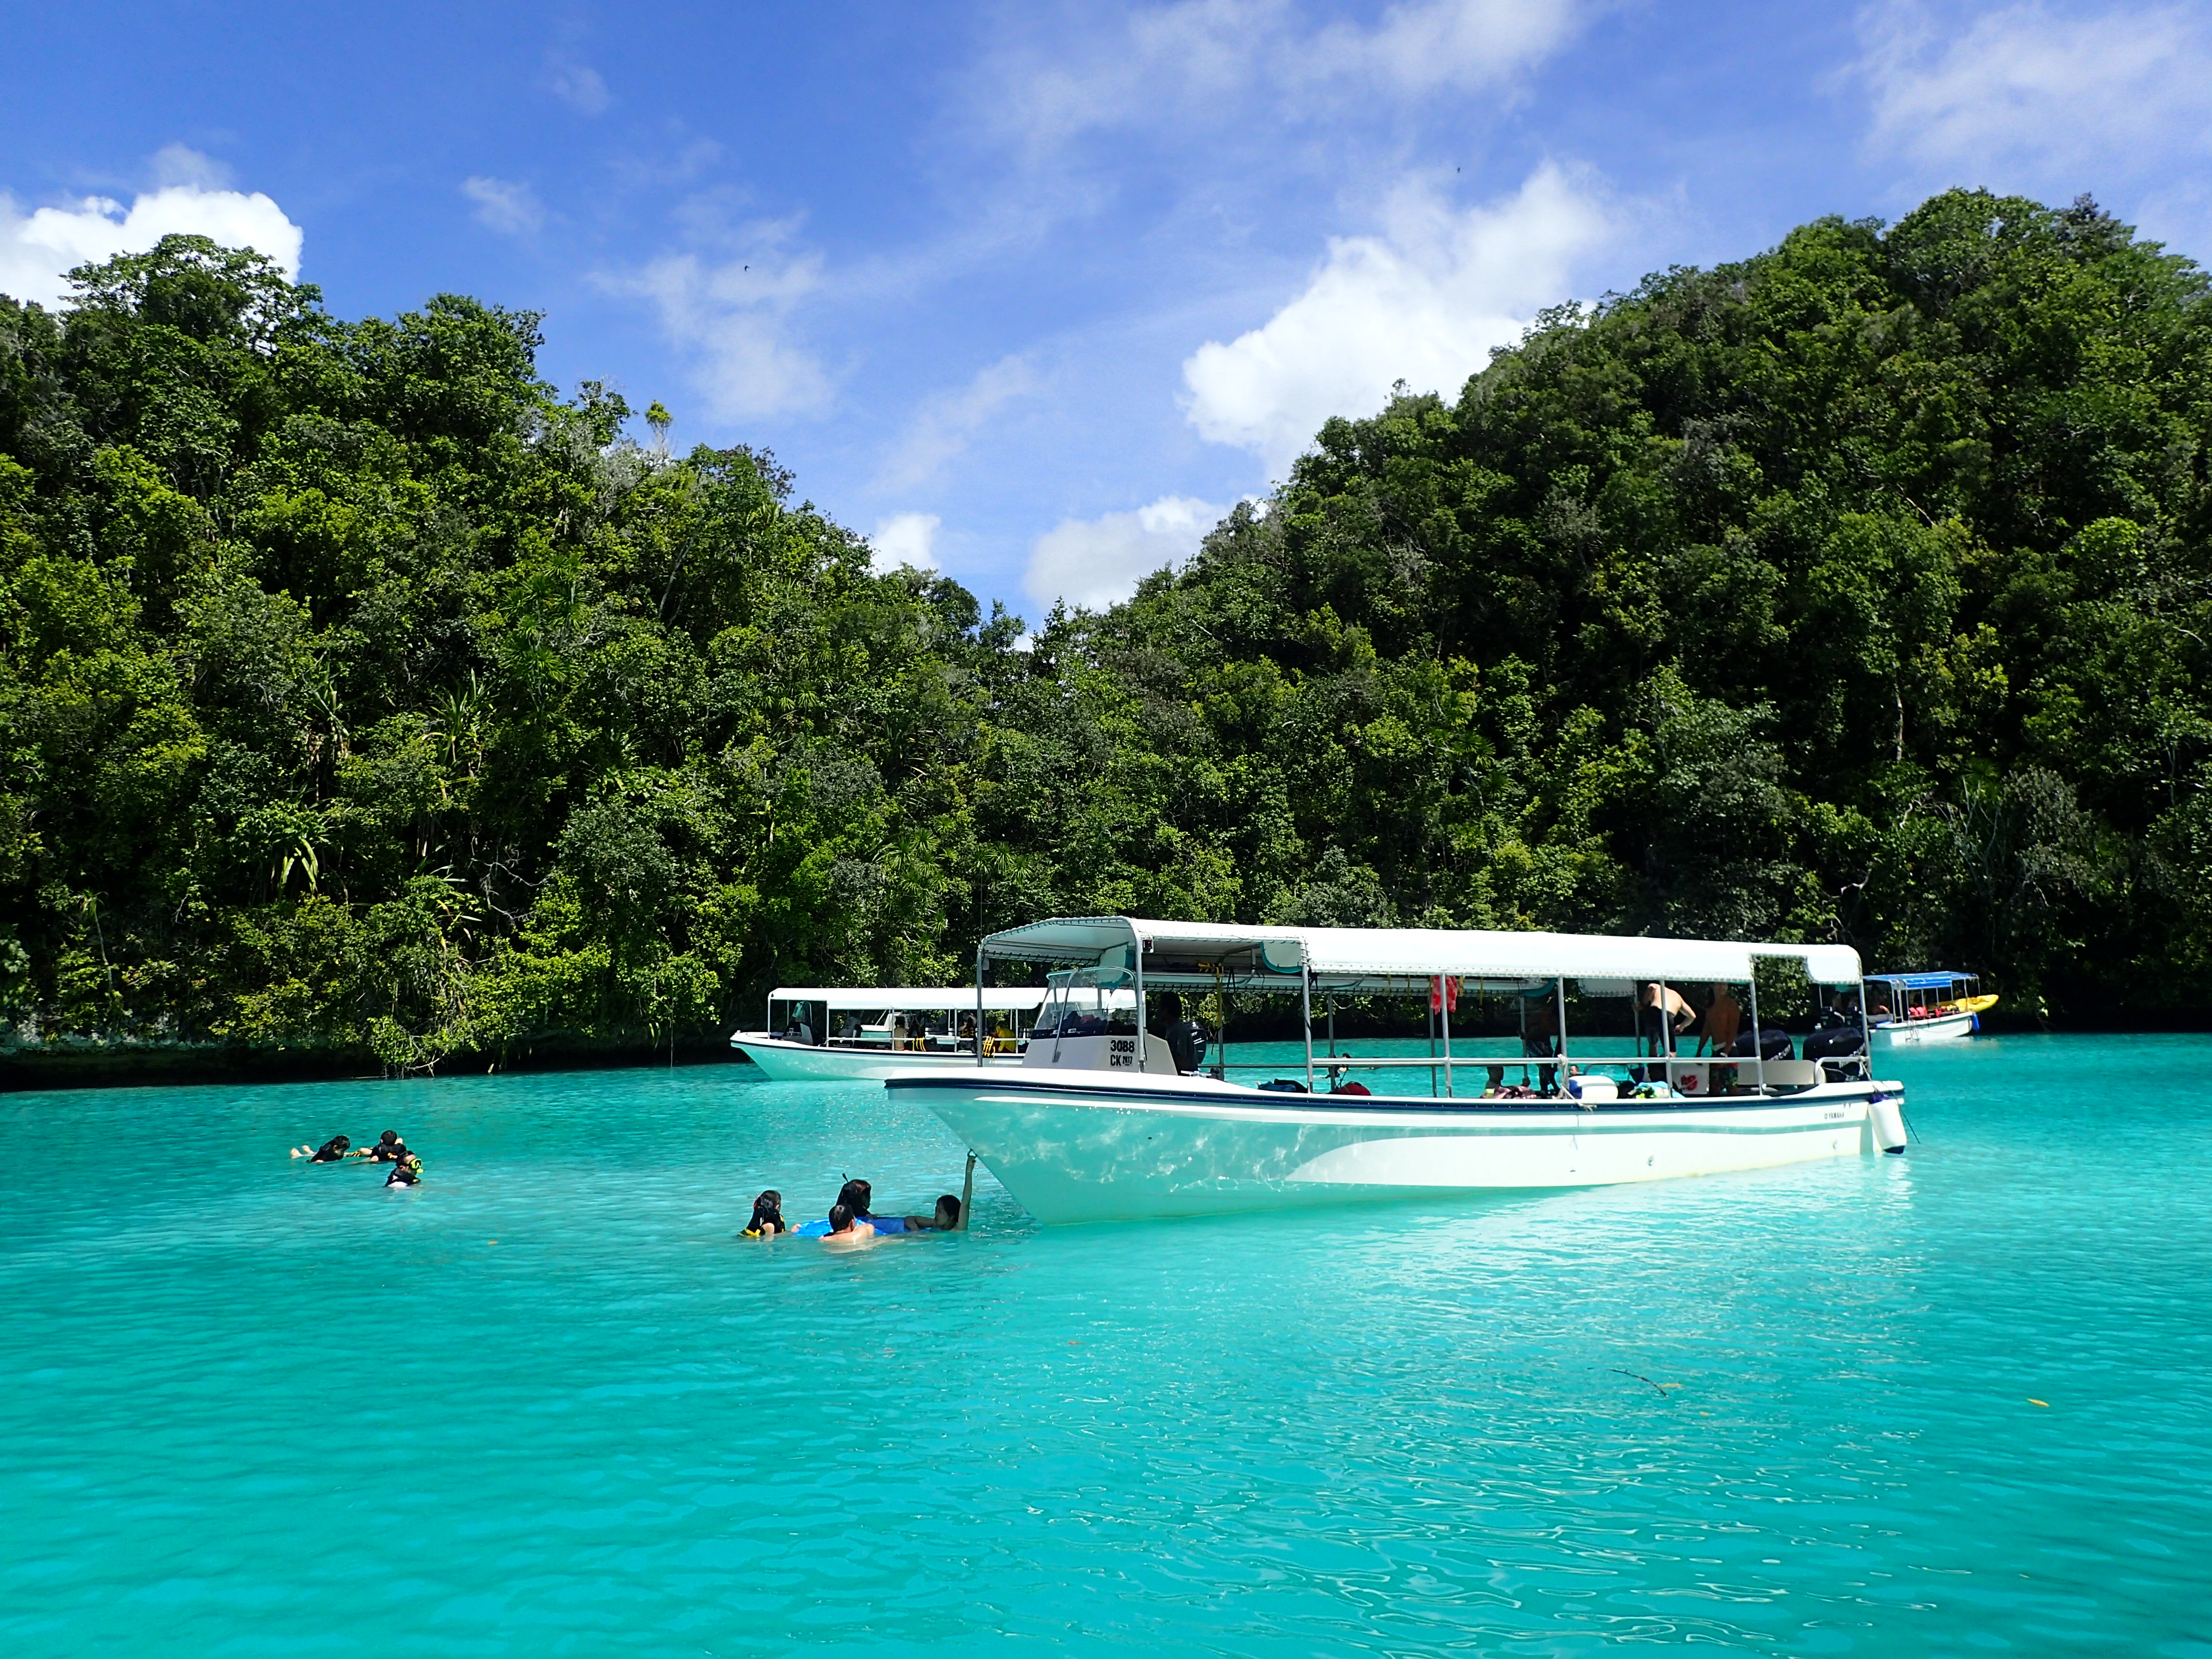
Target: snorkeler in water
point(389, 1148)
point(407, 1172)
point(768, 1216)
point(332, 1150)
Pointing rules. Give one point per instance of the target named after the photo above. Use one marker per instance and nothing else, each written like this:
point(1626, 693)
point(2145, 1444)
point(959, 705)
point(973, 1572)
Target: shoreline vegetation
point(364, 700)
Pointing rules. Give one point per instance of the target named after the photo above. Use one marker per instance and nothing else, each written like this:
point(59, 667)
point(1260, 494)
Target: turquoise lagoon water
point(551, 1403)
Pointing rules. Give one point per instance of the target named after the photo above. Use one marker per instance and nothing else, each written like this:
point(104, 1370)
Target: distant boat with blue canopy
point(1938, 1006)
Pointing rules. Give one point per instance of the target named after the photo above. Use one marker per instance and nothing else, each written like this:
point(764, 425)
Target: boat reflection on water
point(1096, 1122)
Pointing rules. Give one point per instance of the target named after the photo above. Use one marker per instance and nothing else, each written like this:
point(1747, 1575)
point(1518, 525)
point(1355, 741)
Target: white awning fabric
point(928, 998)
point(1351, 959)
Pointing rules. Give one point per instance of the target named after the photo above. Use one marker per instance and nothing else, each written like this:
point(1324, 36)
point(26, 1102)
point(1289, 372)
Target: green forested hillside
point(357, 690)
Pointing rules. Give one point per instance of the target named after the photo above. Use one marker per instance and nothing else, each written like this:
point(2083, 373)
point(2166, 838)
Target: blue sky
point(1033, 292)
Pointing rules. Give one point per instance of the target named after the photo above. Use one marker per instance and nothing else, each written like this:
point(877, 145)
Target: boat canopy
point(1355, 960)
point(896, 998)
point(1938, 979)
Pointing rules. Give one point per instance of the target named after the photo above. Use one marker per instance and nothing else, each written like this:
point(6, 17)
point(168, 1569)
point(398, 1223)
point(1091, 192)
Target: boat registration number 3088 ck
point(1122, 1055)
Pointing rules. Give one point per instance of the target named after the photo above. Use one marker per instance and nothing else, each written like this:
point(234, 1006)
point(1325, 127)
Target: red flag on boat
point(1444, 992)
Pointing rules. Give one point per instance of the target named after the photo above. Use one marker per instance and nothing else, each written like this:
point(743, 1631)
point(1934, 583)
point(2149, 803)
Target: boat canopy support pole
point(1757, 1032)
point(1444, 1008)
point(1866, 1030)
point(1431, 1011)
point(1559, 992)
point(1137, 965)
point(1305, 1008)
point(979, 1055)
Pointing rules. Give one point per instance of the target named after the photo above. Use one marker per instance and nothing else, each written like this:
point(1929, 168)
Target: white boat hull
point(1101, 1150)
point(1944, 1028)
point(800, 1062)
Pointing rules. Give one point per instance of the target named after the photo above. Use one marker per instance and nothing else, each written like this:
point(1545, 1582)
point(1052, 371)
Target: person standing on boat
point(1661, 1014)
point(1723, 1019)
point(1540, 1037)
point(1719, 1027)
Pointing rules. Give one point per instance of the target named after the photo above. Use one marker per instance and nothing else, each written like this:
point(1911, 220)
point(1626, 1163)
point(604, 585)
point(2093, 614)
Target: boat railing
point(1748, 1075)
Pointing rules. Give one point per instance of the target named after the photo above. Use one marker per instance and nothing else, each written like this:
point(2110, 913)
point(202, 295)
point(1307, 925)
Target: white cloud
point(180, 164)
point(1094, 562)
point(905, 538)
point(511, 209)
point(1202, 59)
point(942, 427)
point(580, 86)
point(735, 319)
point(2118, 89)
point(1424, 302)
point(1462, 44)
point(38, 250)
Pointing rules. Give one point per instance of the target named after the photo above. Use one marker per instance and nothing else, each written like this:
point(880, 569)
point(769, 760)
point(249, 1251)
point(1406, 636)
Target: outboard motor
point(1833, 1042)
point(1840, 1050)
point(1771, 1043)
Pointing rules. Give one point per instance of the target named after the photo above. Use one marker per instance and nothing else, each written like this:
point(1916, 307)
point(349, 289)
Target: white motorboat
point(864, 1034)
point(1939, 1006)
point(1096, 1122)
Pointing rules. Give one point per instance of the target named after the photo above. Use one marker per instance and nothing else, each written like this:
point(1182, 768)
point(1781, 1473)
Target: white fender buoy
point(1885, 1118)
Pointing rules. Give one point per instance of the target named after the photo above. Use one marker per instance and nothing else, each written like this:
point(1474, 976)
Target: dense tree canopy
point(357, 690)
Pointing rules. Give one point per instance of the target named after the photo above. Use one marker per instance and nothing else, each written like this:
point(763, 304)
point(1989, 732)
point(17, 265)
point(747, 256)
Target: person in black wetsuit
point(332, 1150)
point(407, 1172)
point(389, 1148)
point(768, 1216)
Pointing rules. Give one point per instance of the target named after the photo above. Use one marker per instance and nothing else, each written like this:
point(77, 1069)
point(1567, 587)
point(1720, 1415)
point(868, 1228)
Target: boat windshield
point(1088, 1002)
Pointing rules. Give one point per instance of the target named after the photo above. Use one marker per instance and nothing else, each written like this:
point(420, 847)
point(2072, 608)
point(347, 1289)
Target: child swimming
point(768, 1216)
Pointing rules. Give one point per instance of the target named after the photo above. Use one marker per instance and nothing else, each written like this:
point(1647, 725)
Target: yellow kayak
point(1970, 1005)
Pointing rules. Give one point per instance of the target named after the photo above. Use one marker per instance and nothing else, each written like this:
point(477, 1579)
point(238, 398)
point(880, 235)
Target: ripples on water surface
point(551, 1403)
